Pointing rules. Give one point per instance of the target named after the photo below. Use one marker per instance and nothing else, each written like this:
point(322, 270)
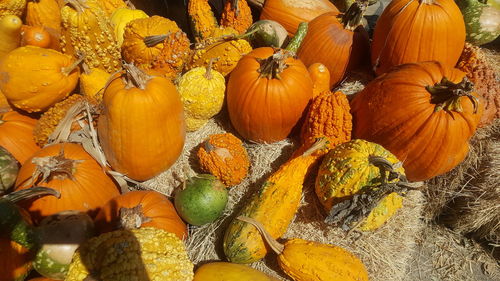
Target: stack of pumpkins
point(92, 91)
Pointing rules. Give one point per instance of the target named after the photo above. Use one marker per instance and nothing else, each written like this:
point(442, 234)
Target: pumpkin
point(398, 40)
point(202, 93)
point(320, 76)
point(52, 77)
point(223, 46)
point(224, 156)
point(44, 13)
point(290, 13)
point(482, 21)
point(121, 17)
point(137, 209)
point(9, 167)
point(279, 87)
point(12, 7)
point(69, 169)
point(173, 56)
point(140, 254)
point(339, 42)
point(142, 116)
point(92, 83)
point(201, 18)
point(481, 72)
point(217, 271)
point(35, 36)
point(352, 168)
point(145, 38)
point(10, 32)
point(266, 33)
point(425, 114)
point(16, 135)
point(275, 204)
point(305, 260)
point(236, 14)
point(87, 30)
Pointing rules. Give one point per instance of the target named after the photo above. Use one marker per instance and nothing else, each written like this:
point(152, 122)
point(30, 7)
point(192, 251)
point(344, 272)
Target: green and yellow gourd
point(202, 93)
point(275, 205)
point(347, 169)
point(482, 20)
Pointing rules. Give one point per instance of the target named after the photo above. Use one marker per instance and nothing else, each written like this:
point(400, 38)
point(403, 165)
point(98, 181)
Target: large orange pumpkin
point(142, 127)
point(418, 30)
point(15, 263)
point(290, 13)
point(69, 169)
point(140, 208)
point(338, 41)
point(268, 92)
point(16, 135)
point(424, 113)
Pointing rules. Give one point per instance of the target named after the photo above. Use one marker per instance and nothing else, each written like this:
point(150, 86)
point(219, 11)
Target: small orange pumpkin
point(35, 36)
point(16, 135)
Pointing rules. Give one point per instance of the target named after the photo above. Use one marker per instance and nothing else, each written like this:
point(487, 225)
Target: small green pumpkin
point(266, 33)
point(482, 20)
point(9, 167)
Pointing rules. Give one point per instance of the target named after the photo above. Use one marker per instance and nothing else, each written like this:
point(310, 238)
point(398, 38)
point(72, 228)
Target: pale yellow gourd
point(202, 93)
point(121, 17)
point(227, 271)
point(10, 34)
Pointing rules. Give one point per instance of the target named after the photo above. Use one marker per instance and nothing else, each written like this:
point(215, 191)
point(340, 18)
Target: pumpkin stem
point(446, 95)
point(320, 143)
point(272, 66)
point(135, 77)
point(297, 39)
point(68, 69)
point(30, 193)
point(130, 5)
point(275, 245)
point(154, 40)
point(208, 73)
point(132, 218)
point(353, 16)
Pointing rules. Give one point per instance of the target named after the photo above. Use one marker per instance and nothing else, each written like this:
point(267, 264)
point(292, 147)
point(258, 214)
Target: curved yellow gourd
point(121, 17)
point(226, 271)
point(10, 32)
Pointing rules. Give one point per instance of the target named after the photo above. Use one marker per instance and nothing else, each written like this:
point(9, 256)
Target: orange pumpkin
point(69, 169)
point(290, 13)
point(424, 113)
point(413, 31)
point(137, 209)
point(268, 92)
point(16, 135)
point(35, 36)
point(142, 127)
point(339, 42)
point(16, 261)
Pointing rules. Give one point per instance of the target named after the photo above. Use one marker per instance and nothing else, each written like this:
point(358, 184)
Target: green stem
point(296, 41)
point(446, 95)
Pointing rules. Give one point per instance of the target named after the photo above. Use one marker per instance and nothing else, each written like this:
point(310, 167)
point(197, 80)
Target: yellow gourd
point(202, 94)
point(121, 17)
point(10, 32)
point(12, 7)
point(92, 83)
point(226, 271)
point(110, 6)
point(304, 260)
point(202, 19)
point(46, 13)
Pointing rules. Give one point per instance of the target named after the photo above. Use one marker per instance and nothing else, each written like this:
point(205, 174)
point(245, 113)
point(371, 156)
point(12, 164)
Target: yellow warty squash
point(10, 32)
point(202, 93)
point(121, 17)
point(93, 82)
point(12, 7)
point(143, 254)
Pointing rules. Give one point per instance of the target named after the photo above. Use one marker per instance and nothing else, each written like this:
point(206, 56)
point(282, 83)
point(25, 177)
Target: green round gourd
point(266, 33)
point(202, 200)
point(9, 167)
point(482, 20)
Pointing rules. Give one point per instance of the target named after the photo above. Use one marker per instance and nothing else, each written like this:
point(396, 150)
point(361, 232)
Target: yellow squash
point(226, 271)
point(121, 17)
point(10, 32)
point(93, 82)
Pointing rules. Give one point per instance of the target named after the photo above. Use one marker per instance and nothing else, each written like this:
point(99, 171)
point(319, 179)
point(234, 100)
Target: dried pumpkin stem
point(30, 193)
point(208, 73)
point(68, 69)
point(446, 95)
point(272, 66)
point(154, 40)
point(132, 218)
point(275, 245)
point(135, 77)
point(257, 3)
point(53, 167)
point(353, 16)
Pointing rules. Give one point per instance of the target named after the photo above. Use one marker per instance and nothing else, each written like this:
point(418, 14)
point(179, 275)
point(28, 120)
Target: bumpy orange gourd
point(140, 208)
point(34, 78)
point(16, 135)
point(224, 156)
point(320, 76)
point(173, 56)
point(236, 14)
point(202, 19)
point(69, 169)
point(142, 127)
point(413, 31)
point(424, 113)
point(12, 7)
point(339, 42)
point(290, 13)
point(45, 13)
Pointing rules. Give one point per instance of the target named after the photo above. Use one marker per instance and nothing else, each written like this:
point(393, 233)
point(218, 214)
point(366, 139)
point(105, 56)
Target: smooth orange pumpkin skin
point(155, 206)
point(89, 189)
point(329, 43)
point(262, 109)
point(290, 13)
point(142, 132)
point(16, 135)
point(411, 31)
point(15, 261)
point(35, 36)
point(395, 111)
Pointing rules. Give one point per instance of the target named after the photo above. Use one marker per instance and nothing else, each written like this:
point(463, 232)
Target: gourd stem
point(154, 40)
point(272, 66)
point(385, 167)
point(135, 77)
point(208, 73)
point(29, 193)
point(294, 44)
point(68, 69)
point(275, 245)
point(78, 5)
point(446, 95)
point(130, 5)
point(353, 16)
point(257, 3)
point(132, 218)
point(320, 143)
point(224, 38)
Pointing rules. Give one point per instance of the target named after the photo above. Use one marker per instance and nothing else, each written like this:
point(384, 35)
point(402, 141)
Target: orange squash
point(16, 135)
point(35, 36)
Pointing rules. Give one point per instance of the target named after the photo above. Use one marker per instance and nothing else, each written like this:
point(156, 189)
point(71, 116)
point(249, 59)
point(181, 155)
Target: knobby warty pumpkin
point(202, 19)
point(424, 113)
point(414, 31)
point(16, 135)
point(236, 14)
point(142, 127)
